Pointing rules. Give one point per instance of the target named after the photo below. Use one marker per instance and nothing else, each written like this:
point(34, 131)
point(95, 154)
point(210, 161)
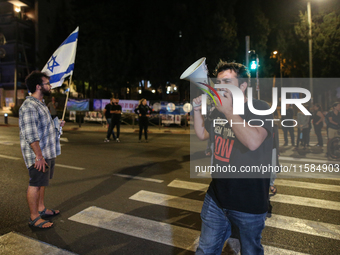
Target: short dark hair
point(241, 71)
point(319, 106)
point(33, 79)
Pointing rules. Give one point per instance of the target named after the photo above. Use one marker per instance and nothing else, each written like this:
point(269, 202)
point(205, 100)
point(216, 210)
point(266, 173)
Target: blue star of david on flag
point(66, 54)
point(54, 64)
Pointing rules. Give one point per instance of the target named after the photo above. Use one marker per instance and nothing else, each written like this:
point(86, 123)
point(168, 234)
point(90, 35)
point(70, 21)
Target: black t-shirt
point(116, 116)
point(335, 118)
point(107, 111)
point(237, 191)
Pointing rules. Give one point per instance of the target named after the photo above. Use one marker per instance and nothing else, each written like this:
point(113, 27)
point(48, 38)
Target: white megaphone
point(197, 73)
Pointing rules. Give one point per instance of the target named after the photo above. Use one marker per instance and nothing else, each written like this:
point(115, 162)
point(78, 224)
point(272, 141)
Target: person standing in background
point(52, 107)
point(107, 115)
point(303, 129)
point(318, 119)
point(143, 111)
point(116, 113)
point(289, 124)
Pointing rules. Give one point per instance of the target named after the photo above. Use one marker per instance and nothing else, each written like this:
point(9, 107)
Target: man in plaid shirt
point(40, 145)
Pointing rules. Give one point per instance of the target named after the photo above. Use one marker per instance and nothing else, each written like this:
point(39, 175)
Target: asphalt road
point(138, 198)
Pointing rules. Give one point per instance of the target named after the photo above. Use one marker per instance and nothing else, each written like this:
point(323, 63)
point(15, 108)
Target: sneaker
point(117, 140)
point(106, 140)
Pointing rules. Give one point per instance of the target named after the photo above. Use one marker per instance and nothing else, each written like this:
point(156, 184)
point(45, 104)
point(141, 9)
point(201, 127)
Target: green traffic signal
point(253, 65)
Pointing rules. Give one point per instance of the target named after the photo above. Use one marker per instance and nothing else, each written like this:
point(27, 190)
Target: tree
point(326, 42)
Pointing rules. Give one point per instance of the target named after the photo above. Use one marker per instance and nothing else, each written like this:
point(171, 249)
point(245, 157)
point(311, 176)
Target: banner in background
point(128, 106)
point(78, 105)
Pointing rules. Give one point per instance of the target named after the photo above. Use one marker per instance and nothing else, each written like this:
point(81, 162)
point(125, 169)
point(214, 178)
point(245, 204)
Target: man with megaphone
point(238, 194)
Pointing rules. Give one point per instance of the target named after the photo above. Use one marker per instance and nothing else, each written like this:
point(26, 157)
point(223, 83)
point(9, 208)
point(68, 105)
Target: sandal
point(31, 223)
point(44, 215)
point(273, 189)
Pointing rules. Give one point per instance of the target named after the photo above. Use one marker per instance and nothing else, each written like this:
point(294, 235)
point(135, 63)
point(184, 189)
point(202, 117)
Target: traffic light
point(253, 61)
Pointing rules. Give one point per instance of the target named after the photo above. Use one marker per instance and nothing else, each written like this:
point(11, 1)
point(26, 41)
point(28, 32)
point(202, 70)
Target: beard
point(45, 92)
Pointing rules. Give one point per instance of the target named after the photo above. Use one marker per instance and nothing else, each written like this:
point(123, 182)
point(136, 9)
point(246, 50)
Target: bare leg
point(41, 198)
point(42, 203)
point(33, 194)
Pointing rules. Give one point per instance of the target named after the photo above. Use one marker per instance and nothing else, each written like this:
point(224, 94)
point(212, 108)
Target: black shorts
point(40, 178)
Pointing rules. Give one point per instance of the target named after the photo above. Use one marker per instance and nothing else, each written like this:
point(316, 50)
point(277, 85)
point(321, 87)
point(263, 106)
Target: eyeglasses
point(46, 84)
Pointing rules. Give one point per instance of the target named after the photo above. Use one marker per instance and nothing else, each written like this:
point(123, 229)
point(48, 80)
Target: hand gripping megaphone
point(198, 74)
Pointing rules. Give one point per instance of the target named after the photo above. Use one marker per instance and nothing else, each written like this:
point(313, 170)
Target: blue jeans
point(216, 229)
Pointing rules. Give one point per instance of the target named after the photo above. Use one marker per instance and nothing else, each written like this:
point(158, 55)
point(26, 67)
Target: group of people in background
point(305, 124)
point(113, 113)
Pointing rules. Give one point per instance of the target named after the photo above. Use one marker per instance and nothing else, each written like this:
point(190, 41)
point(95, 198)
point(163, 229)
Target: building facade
point(17, 28)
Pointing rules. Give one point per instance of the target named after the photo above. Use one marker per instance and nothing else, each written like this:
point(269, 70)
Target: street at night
point(170, 127)
point(138, 198)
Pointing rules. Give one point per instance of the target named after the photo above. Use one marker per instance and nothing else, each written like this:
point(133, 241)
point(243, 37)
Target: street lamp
point(309, 14)
point(279, 56)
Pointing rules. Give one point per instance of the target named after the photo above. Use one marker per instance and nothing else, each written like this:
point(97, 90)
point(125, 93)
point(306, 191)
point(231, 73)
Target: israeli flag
point(61, 63)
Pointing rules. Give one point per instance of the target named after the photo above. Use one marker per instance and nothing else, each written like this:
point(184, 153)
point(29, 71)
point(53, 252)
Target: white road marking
point(307, 160)
point(305, 201)
point(168, 200)
point(282, 222)
point(71, 167)
point(9, 157)
point(307, 185)
point(287, 199)
point(270, 250)
point(188, 185)
point(139, 178)
point(64, 139)
point(138, 227)
point(59, 165)
point(14, 243)
point(154, 231)
point(6, 143)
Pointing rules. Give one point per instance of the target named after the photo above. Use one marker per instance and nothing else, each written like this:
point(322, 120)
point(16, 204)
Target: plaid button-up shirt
point(36, 124)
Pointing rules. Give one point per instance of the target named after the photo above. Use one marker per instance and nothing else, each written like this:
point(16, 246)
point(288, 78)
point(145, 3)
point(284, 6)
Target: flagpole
point(68, 92)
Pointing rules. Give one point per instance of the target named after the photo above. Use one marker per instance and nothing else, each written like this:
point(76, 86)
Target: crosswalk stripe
point(139, 178)
point(155, 231)
point(297, 184)
point(278, 251)
point(305, 201)
point(14, 243)
point(309, 160)
point(159, 232)
point(188, 185)
point(308, 185)
point(168, 200)
point(315, 175)
point(283, 222)
point(9, 157)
